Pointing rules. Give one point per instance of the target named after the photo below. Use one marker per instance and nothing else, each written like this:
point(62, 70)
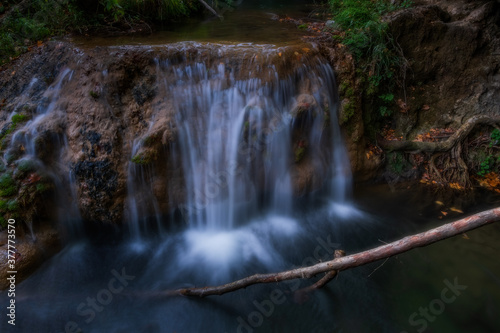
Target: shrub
point(373, 47)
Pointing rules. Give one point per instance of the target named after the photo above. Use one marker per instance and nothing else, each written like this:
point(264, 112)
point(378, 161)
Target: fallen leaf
point(440, 203)
point(464, 236)
point(39, 43)
point(444, 213)
point(456, 210)
point(426, 107)
point(402, 105)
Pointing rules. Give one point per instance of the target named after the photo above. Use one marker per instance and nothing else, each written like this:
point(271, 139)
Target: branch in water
point(210, 9)
point(354, 260)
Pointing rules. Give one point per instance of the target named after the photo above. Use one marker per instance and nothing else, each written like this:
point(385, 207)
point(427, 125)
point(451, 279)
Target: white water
point(26, 141)
point(236, 133)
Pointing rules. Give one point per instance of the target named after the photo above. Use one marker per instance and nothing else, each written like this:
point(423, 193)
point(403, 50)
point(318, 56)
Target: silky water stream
point(266, 186)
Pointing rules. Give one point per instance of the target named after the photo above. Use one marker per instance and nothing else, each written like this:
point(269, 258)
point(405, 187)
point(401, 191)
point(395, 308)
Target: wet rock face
point(29, 254)
point(78, 114)
point(107, 112)
point(100, 181)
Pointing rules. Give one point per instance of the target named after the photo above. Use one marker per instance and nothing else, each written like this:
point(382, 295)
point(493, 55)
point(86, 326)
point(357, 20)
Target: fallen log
point(354, 260)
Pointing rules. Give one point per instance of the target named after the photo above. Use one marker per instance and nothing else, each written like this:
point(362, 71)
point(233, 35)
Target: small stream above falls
point(249, 22)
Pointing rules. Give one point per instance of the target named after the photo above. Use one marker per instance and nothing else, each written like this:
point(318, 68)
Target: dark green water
point(451, 286)
point(250, 22)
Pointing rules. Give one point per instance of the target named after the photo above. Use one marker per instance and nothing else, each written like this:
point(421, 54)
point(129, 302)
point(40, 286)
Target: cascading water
point(41, 136)
point(244, 129)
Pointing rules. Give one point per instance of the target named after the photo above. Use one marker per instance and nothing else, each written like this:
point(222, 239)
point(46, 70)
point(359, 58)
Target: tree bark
point(442, 146)
point(354, 260)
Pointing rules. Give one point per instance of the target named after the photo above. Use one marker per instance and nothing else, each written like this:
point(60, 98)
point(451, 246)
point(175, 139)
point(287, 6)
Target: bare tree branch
point(354, 260)
point(207, 6)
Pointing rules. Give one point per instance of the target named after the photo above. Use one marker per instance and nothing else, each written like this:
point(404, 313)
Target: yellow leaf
point(39, 43)
point(456, 210)
point(279, 54)
point(439, 203)
point(444, 213)
point(464, 236)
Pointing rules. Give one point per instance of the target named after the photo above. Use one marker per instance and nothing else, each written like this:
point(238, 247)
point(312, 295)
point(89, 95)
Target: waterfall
point(243, 127)
point(252, 124)
point(39, 142)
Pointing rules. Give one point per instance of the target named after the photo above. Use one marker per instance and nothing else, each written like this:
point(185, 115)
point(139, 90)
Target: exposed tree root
point(354, 260)
point(441, 146)
point(446, 164)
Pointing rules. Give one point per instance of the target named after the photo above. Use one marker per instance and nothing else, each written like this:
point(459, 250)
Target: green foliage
point(352, 14)
point(397, 163)
point(488, 162)
point(385, 111)
point(348, 111)
point(3, 205)
point(350, 107)
point(145, 157)
point(3, 222)
point(151, 140)
point(12, 205)
point(303, 26)
point(15, 120)
point(8, 191)
point(6, 181)
point(19, 118)
point(113, 8)
point(299, 154)
point(7, 185)
point(26, 165)
point(486, 166)
point(94, 94)
point(373, 47)
point(41, 187)
point(41, 19)
point(495, 137)
point(386, 99)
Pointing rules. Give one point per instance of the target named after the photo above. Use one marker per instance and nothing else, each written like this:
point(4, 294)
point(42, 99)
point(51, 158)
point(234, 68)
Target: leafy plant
point(495, 137)
point(379, 59)
point(37, 21)
point(397, 163)
point(485, 166)
point(386, 99)
point(7, 185)
point(12, 205)
point(113, 7)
